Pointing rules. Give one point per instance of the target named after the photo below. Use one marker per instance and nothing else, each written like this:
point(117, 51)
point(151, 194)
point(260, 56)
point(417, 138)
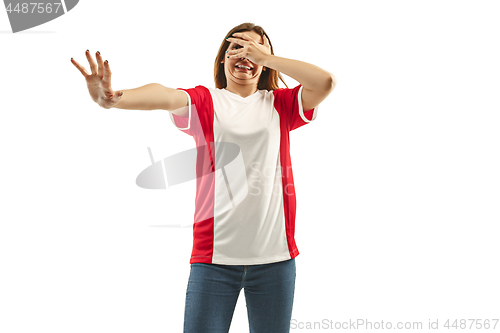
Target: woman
point(241, 238)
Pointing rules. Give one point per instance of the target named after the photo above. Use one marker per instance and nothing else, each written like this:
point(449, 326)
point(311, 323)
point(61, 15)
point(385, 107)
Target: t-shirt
point(245, 196)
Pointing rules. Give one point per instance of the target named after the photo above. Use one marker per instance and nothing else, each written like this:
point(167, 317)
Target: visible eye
point(236, 46)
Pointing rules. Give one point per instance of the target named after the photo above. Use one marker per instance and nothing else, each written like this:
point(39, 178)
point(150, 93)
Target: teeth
point(246, 67)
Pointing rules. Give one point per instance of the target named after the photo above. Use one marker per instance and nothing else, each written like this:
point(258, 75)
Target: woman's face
point(242, 76)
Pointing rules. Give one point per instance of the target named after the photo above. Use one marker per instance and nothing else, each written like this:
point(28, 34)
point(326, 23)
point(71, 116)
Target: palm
point(99, 82)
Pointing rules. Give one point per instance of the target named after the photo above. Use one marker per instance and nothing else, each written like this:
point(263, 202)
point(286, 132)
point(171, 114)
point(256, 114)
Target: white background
point(397, 178)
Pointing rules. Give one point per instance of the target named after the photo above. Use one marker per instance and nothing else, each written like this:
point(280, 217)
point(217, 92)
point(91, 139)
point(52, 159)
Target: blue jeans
point(213, 290)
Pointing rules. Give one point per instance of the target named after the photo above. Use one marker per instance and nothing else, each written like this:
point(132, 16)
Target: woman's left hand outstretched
point(250, 48)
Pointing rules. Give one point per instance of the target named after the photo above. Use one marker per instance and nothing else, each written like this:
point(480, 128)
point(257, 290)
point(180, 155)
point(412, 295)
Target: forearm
point(152, 96)
point(309, 76)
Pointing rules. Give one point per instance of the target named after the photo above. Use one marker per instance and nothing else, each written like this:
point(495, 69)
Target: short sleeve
point(199, 101)
point(288, 102)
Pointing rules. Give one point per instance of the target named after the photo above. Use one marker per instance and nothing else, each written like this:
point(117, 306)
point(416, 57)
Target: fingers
point(240, 53)
point(243, 36)
point(100, 69)
point(80, 68)
point(106, 80)
point(246, 37)
point(93, 65)
point(236, 41)
point(117, 96)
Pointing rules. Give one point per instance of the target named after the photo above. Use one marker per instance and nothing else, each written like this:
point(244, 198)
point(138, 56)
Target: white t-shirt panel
point(252, 214)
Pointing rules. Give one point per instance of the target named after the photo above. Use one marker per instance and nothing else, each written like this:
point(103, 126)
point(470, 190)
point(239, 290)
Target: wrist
point(104, 103)
point(268, 60)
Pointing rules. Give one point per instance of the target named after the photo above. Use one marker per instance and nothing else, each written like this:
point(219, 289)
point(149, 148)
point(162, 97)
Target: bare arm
point(154, 96)
point(317, 83)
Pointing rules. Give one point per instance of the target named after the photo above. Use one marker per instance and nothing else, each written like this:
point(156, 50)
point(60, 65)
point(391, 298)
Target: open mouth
point(244, 67)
